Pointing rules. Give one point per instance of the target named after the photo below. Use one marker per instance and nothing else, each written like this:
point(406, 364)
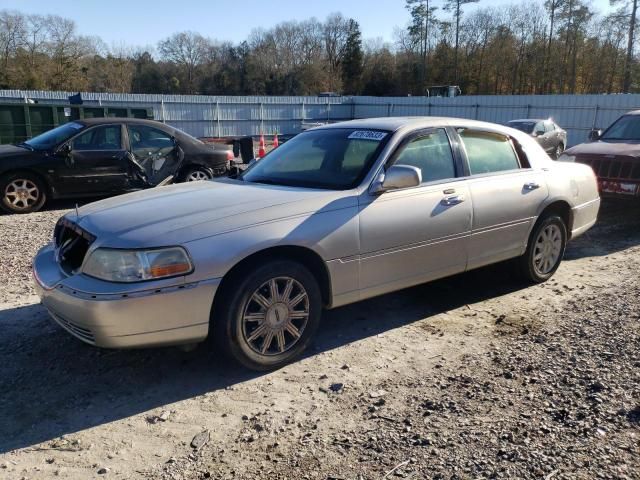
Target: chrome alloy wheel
point(547, 249)
point(21, 194)
point(198, 176)
point(275, 316)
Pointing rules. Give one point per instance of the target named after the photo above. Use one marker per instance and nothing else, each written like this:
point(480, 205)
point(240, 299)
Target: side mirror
point(595, 134)
point(64, 150)
point(538, 133)
point(397, 177)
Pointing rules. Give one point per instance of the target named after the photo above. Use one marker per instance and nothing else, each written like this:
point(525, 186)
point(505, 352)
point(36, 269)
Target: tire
point(244, 325)
point(545, 249)
point(197, 174)
point(22, 192)
point(558, 151)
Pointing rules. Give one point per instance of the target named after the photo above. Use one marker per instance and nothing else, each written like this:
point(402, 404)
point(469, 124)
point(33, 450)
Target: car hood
point(13, 151)
point(178, 214)
point(606, 148)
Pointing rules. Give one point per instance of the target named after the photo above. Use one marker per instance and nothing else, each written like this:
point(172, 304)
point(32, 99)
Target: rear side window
point(144, 136)
point(431, 154)
point(488, 152)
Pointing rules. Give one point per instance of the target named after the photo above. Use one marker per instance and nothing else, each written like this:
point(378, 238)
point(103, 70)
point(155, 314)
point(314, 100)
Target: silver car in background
point(547, 133)
point(337, 214)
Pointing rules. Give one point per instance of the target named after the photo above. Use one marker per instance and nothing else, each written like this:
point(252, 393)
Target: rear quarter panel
point(576, 185)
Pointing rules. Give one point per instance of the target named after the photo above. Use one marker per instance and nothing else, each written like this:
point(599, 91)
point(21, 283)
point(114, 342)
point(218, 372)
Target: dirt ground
point(476, 376)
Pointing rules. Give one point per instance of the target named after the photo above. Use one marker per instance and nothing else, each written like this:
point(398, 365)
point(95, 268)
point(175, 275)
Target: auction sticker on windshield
point(367, 135)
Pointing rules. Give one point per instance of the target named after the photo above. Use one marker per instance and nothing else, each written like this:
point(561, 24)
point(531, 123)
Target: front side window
point(539, 129)
point(431, 154)
point(107, 137)
point(549, 127)
point(488, 152)
point(332, 158)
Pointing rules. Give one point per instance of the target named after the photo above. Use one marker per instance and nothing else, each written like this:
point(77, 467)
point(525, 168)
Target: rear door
point(506, 195)
point(97, 162)
point(413, 235)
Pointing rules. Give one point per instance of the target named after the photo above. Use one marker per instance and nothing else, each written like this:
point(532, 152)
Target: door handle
point(531, 186)
point(452, 200)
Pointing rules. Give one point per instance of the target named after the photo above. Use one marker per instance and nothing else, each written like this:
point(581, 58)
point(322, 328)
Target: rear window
point(526, 127)
point(488, 152)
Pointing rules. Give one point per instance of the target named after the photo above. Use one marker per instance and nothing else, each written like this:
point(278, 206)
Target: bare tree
point(336, 32)
point(632, 8)
point(12, 34)
point(186, 49)
point(455, 6)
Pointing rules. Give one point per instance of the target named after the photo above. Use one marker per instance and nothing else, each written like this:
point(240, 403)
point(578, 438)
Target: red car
point(614, 156)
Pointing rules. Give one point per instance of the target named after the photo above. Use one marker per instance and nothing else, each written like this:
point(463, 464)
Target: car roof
point(107, 120)
point(410, 123)
point(530, 120)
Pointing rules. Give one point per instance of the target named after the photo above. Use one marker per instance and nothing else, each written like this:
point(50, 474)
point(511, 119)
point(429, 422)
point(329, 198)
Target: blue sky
point(144, 22)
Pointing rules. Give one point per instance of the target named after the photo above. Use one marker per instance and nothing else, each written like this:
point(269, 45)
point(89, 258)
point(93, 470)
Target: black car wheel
point(269, 315)
point(558, 151)
point(22, 193)
point(197, 174)
point(545, 250)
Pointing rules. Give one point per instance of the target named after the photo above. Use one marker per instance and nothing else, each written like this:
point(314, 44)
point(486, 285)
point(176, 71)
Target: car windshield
point(333, 158)
point(626, 127)
point(526, 127)
point(54, 137)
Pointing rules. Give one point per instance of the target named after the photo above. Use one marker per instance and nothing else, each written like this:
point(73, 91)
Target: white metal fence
point(217, 116)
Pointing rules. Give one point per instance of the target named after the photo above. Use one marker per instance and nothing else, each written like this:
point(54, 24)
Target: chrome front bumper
point(166, 312)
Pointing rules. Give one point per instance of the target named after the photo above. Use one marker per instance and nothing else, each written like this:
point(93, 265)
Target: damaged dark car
point(99, 157)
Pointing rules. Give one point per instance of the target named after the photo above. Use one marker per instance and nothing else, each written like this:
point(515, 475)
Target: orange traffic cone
point(261, 151)
point(275, 141)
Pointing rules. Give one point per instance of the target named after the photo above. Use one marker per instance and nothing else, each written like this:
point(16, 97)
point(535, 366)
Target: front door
point(97, 162)
point(506, 196)
point(417, 234)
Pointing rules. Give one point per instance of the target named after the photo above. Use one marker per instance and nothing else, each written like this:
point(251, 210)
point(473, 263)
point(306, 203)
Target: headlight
point(566, 158)
point(137, 265)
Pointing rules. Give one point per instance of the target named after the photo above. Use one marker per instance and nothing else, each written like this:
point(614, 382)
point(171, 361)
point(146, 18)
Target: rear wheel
point(22, 193)
point(270, 315)
point(197, 174)
point(545, 250)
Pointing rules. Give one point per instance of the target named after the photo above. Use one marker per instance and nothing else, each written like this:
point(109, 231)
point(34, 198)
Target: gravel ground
point(477, 376)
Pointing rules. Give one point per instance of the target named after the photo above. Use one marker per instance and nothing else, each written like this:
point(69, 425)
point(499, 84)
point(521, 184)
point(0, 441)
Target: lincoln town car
point(338, 214)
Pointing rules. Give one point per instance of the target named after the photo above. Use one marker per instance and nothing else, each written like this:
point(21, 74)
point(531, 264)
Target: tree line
point(558, 46)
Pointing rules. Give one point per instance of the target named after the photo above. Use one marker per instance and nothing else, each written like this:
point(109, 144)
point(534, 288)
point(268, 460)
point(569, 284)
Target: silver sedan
point(338, 214)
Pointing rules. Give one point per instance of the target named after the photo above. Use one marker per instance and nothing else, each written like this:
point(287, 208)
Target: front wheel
point(22, 193)
point(270, 315)
point(545, 250)
point(558, 151)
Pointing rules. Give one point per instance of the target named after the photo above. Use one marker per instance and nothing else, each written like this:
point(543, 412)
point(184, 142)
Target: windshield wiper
point(25, 145)
point(266, 181)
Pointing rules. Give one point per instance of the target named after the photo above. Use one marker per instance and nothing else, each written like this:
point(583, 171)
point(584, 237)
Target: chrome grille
point(72, 244)
point(613, 168)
